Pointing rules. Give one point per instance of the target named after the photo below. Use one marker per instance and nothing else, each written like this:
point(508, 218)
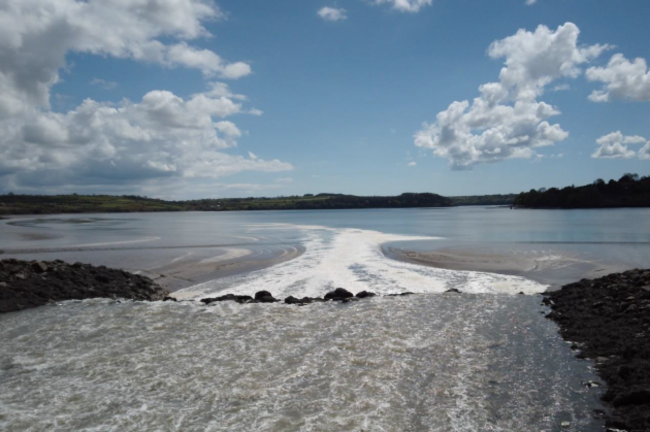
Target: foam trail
point(353, 259)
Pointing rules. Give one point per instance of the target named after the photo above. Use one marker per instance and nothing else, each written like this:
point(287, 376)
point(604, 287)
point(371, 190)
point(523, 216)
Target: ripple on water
point(420, 363)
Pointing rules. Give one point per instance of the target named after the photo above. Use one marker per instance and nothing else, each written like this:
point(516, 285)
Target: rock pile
point(339, 294)
point(26, 284)
point(608, 321)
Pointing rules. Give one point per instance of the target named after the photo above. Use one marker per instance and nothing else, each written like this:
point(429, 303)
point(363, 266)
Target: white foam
point(353, 259)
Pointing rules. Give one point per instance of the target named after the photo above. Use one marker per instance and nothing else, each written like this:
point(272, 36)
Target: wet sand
point(553, 271)
point(185, 272)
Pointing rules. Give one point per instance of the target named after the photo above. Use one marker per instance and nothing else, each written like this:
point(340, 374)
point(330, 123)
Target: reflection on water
point(421, 363)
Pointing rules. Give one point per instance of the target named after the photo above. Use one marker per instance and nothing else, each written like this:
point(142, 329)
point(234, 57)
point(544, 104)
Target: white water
point(353, 259)
point(438, 362)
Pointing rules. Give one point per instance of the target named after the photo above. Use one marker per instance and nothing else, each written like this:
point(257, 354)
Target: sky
point(183, 99)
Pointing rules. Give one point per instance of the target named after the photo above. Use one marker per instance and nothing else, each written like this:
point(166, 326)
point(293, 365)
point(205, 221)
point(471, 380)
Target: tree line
point(628, 191)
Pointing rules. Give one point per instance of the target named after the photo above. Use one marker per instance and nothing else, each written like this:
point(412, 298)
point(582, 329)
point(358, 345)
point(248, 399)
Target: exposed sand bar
point(555, 270)
point(190, 269)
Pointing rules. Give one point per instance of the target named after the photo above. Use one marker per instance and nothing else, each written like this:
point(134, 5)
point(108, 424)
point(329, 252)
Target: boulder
point(261, 294)
point(338, 294)
point(38, 267)
point(365, 294)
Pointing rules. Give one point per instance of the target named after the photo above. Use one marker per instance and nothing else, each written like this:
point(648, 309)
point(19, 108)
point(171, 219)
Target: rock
point(228, 297)
point(261, 294)
point(25, 285)
point(565, 424)
point(338, 294)
point(38, 267)
point(608, 319)
point(169, 299)
point(453, 290)
point(350, 299)
point(292, 300)
point(267, 299)
point(365, 294)
point(303, 301)
point(641, 397)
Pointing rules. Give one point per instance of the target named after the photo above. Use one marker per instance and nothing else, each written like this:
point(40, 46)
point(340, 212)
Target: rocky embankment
point(608, 321)
point(26, 284)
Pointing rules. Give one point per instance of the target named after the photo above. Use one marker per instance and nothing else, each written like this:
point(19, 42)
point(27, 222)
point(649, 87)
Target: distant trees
point(629, 191)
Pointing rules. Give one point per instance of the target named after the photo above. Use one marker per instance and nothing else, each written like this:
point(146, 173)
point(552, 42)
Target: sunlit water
point(482, 360)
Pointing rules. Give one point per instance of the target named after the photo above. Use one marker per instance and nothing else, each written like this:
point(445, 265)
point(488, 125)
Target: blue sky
point(342, 100)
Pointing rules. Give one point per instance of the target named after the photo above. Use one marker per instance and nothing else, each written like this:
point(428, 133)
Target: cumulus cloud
point(506, 121)
point(614, 146)
point(162, 135)
point(36, 35)
point(333, 14)
point(406, 5)
point(530, 2)
point(623, 80)
point(412, 164)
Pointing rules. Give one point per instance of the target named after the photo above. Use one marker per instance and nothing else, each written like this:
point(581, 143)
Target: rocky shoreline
point(28, 284)
point(608, 321)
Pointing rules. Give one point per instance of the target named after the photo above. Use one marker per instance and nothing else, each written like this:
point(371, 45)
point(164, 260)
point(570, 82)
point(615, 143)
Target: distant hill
point(507, 199)
point(49, 204)
point(629, 191)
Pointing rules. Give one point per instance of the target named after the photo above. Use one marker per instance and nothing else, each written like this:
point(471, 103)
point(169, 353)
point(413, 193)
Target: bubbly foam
point(421, 363)
point(353, 259)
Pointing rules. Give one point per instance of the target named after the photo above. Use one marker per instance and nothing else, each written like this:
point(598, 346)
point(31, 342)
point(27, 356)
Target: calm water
point(482, 360)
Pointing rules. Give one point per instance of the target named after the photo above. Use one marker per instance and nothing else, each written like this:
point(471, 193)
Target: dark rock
point(608, 320)
point(261, 294)
point(453, 290)
point(38, 267)
point(170, 299)
point(228, 297)
point(266, 299)
point(338, 294)
point(641, 397)
point(365, 294)
point(31, 284)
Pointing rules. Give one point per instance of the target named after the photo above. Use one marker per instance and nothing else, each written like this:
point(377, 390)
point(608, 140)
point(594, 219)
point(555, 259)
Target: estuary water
point(484, 359)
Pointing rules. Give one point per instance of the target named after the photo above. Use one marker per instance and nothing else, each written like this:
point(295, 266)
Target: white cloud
point(412, 164)
point(644, 153)
point(106, 85)
point(506, 121)
point(36, 35)
point(333, 14)
point(406, 5)
point(623, 80)
point(613, 146)
point(161, 136)
point(530, 2)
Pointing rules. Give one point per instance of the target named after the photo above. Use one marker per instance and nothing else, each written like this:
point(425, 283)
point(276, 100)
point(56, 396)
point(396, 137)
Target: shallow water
point(437, 362)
